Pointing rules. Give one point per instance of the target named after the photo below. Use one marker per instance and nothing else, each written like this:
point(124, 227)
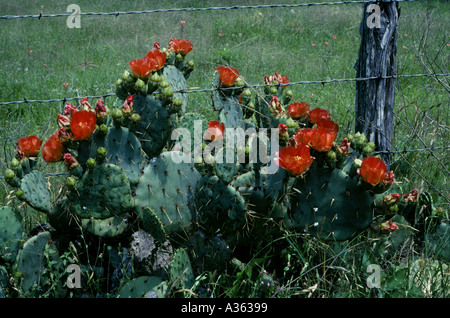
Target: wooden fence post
point(374, 105)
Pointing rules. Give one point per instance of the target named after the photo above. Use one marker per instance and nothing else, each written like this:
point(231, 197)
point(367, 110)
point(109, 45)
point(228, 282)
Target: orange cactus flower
point(180, 46)
point(228, 75)
point(322, 139)
point(140, 67)
point(215, 131)
point(303, 136)
point(295, 160)
point(373, 170)
point(29, 146)
point(317, 114)
point(298, 110)
point(156, 58)
point(83, 124)
point(329, 124)
point(53, 149)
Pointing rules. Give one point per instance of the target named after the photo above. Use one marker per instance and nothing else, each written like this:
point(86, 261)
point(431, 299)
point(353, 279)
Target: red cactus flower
point(215, 131)
point(156, 58)
point(298, 110)
point(100, 109)
point(322, 139)
point(373, 170)
point(295, 160)
point(303, 136)
point(411, 196)
point(29, 146)
point(180, 46)
point(228, 75)
point(329, 124)
point(82, 124)
point(141, 67)
point(317, 114)
point(53, 149)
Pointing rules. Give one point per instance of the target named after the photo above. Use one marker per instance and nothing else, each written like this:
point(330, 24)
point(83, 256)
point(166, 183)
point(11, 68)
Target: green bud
point(155, 77)
point(71, 182)
point(139, 83)
point(177, 101)
point(117, 113)
point(273, 90)
point(164, 84)
point(15, 163)
point(103, 129)
point(240, 82)
point(135, 118)
point(168, 92)
point(191, 63)
point(247, 92)
point(289, 93)
point(127, 77)
point(90, 162)
point(179, 57)
point(101, 152)
point(331, 155)
point(19, 194)
point(119, 82)
point(9, 174)
point(290, 123)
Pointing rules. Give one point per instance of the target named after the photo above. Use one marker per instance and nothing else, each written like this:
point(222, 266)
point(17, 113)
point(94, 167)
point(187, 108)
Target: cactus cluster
point(212, 198)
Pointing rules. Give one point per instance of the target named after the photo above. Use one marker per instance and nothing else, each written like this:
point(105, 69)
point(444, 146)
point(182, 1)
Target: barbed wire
point(235, 7)
point(203, 90)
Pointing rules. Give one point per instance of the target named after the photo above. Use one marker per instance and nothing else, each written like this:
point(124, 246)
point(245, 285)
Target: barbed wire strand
point(235, 7)
point(189, 91)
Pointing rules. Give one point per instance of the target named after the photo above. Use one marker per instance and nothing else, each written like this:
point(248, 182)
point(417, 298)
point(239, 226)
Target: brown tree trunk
point(374, 106)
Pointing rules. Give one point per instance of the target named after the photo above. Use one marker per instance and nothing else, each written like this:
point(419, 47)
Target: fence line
point(235, 7)
point(188, 91)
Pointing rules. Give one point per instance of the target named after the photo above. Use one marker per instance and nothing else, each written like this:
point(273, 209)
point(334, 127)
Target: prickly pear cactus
point(103, 192)
point(11, 233)
point(143, 287)
point(330, 205)
point(167, 187)
point(181, 273)
point(35, 191)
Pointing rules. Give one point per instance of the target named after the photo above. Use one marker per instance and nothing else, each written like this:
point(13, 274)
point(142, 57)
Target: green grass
point(37, 56)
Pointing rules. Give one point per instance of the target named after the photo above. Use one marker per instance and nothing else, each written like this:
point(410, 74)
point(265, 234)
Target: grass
point(37, 56)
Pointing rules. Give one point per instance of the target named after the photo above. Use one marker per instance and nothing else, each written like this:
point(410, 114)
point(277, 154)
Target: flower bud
point(168, 92)
point(139, 83)
point(90, 163)
point(240, 82)
point(71, 182)
point(164, 84)
point(9, 174)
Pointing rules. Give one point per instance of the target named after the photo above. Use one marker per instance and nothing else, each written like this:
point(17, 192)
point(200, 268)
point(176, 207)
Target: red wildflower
point(82, 124)
point(228, 75)
point(140, 67)
point(373, 170)
point(53, 149)
point(329, 124)
point(303, 136)
point(322, 139)
point(156, 58)
point(297, 110)
point(29, 146)
point(180, 46)
point(295, 160)
point(317, 114)
point(215, 130)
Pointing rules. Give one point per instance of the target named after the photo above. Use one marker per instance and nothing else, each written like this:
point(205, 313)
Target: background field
point(307, 43)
